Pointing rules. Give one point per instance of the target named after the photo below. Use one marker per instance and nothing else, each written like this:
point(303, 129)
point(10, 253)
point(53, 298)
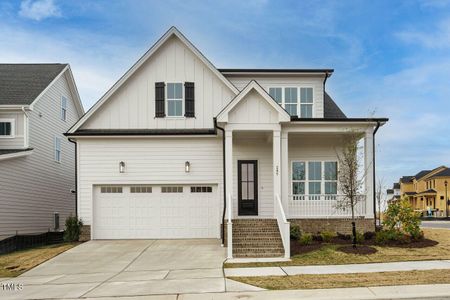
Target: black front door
point(247, 188)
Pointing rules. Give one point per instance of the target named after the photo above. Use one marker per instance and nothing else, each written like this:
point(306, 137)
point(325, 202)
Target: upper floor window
point(174, 99)
point(296, 101)
point(63, 108)
point(57, 149)
point(6, 128)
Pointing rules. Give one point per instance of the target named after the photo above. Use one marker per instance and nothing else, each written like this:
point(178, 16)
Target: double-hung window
point(306, 102)
point(314, 178)
point(290, 101)
point(6, 128)
point(174, 99)
point(297, 101)
point(330, 170)
point(63, 108)
point(57, 149)
point(298, 179)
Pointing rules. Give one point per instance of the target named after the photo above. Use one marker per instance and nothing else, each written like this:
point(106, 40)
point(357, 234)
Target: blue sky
point(391, 58)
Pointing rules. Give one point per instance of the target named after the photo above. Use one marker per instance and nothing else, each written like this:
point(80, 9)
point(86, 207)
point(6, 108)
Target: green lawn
point(328, 255)
point(347, 280)
point(16, 263)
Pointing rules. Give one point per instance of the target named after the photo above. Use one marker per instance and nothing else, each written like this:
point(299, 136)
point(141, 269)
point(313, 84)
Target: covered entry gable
point(253, 105)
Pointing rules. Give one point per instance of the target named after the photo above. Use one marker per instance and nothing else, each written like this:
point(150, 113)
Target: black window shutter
point(189, 100)
point(159, 100)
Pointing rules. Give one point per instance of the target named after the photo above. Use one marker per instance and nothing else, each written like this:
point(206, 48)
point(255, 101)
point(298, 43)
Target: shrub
point(385, 236)
point(369, 235)
point(401, 217)
point(295, 232)
point(73, 229)
point(359, 237)
point(327, 236)
point(344, 237)
point(306, 239)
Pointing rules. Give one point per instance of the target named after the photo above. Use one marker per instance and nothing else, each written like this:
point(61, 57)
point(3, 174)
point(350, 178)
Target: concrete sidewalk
point(340, 269)
point(439, 291)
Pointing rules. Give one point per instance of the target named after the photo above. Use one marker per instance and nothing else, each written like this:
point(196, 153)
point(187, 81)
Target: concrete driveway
point(126, 268)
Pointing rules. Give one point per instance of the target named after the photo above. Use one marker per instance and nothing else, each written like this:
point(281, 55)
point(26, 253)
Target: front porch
point(280, 169)
point(288, 175)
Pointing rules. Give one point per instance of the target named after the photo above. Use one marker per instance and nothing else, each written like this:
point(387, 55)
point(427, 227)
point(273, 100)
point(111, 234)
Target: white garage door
point(156, 212)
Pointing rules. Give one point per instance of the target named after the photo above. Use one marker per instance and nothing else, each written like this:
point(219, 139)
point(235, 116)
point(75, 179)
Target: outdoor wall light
point(122, 167)
point(187, 167)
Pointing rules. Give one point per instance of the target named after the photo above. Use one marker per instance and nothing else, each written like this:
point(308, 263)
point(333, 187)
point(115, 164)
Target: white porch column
point(229, 162)
point(276, 163)
point(368, 166)
point(229, 189)
point(285, 172)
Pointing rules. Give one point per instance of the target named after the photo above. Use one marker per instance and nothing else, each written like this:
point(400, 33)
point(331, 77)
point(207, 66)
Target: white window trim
point(166, 102)
point(63, 108)
point(13, 128)
point(298, 87)
point(55, 149)
point(306, 180)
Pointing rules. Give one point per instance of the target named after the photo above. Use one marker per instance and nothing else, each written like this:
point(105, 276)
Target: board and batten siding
point(253, 109)
point(18, 140)
point(34, 187)
point(133, 104)
point(316, 82)
point(150, 160)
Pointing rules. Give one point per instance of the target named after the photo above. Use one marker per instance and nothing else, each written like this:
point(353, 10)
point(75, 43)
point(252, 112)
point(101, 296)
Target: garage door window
point(140, 189)
point(111, 189)
point(171, 189)
point(201, 189)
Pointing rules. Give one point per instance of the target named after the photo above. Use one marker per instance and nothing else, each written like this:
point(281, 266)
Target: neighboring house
point(38, 103)
point(394, 193)
point(427, 191)
point(177, 146)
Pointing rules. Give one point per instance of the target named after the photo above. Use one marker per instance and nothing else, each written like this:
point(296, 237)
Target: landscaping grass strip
point(348, 280)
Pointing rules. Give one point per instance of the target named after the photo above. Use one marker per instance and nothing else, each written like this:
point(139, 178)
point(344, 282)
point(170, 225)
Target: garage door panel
point(156, 215)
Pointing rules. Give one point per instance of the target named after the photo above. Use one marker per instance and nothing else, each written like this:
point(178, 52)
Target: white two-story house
point(38, 103)
point(179, 149)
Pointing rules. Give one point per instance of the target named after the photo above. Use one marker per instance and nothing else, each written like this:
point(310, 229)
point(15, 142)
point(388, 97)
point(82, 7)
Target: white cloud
point(438, 38)
point(39, 9)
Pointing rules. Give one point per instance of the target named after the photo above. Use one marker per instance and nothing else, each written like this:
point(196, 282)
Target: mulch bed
point(297, 248)
point(360, 249)
point(364, 249)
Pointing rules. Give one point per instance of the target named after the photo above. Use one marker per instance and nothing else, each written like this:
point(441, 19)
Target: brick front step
point(257, 238)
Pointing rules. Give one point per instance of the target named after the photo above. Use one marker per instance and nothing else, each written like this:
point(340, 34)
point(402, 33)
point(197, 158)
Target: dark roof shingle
point(421, 174)
point(331, 110)
point(20, 84)
point(443, 173)
point(406, 179)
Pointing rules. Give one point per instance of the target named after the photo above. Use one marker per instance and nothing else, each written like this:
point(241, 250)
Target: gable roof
point(421, 174)
point(21, 84)
point(253, 85)
point(173, 31)
point(331, 110)
point(443, 173)
point(406, 179)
